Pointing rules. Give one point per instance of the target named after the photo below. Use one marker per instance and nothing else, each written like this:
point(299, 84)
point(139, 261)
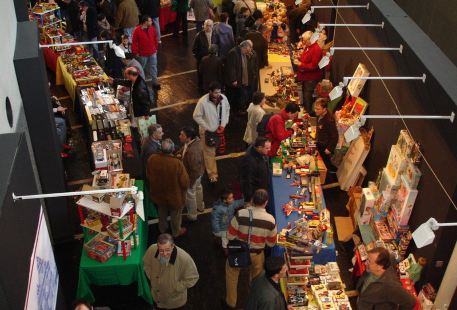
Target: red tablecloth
point(166, 17)
point(50, 57)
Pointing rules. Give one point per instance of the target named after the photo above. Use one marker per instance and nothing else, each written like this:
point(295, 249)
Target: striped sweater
point(263, 228)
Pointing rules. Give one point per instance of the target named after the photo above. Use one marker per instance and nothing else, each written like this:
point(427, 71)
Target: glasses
point(165, 250)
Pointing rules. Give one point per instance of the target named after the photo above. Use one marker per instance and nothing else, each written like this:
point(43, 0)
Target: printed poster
point(43, 276)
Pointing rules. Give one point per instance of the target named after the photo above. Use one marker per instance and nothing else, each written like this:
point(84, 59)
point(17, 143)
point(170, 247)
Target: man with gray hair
point(171, 271)
point(151, 144)
point(242, 75)
point(168, 183)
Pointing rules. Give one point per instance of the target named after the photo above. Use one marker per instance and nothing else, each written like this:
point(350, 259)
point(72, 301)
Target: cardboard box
point(396, 165)
point(406, 198)
point(355, 86)
point(412, 175)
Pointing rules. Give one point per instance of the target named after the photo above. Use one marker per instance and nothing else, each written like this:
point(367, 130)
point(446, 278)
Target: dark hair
point(214, 85)
point(124, 36)
point(226, 193)
point(257, 14)
point(273, 265)
point(223, 17)
point(190, 132)
point(105, 34)
point(129, 56)
point(81, 302)
point(383, 259)
point(257, 97)
point(322, 102)
point(260, 197)
point(153, 128)
point(83, 3)
point(260, 141)
point(132, 72)
point(292, 107)
point(100, 17)
point(144, 18)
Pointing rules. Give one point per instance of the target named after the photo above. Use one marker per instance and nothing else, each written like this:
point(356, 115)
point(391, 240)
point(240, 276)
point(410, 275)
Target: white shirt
point(207, 116)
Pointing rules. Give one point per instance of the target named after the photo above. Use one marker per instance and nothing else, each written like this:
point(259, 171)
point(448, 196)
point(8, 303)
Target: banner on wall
point(43, 277)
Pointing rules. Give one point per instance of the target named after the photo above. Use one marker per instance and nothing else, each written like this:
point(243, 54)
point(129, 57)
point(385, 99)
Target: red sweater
point(144, 41)
point(277, 131)
point(309, 70)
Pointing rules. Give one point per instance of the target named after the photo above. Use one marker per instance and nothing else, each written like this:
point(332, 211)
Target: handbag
point(239, 254)
point(212, 137)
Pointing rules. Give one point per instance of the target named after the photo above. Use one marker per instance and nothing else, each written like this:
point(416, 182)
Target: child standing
point(223, 211)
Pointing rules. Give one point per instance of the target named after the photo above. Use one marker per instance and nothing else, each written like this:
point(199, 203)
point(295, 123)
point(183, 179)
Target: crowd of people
point(229, 54)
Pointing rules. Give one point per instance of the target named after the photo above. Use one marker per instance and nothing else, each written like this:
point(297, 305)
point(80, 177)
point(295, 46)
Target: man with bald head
point(308, 71)
point(141, 98)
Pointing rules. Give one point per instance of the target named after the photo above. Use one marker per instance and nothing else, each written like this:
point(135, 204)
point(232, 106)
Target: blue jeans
point(149, 64)
point(157, 26)
point(61, 128)
point(128, 32)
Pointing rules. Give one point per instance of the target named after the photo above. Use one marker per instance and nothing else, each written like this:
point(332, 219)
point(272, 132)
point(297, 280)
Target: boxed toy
point(405, 202)
point(396, 165)
point(98, 249)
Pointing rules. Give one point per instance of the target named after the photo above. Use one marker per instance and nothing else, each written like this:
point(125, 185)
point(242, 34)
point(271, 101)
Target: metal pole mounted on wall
point(346, 79)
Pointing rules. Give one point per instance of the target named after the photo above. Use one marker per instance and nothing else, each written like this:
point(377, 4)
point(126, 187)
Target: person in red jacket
point(276, 127)
point(309, 72)
point(144, 47)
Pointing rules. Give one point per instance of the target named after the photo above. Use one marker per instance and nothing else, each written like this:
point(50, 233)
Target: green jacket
point(264, 296)
point(169, 283)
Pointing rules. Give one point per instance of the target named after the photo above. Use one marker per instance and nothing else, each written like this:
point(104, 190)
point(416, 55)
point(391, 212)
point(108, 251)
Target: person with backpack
point(255, 115)
point(276, 129)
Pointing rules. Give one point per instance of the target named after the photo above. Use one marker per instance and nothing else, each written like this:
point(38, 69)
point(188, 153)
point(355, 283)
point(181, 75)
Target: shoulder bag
point(211, 137)
point(239, 254)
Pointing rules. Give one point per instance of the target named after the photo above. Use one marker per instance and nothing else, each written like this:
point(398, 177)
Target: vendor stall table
point(116, 271)
point(63, 77)
point(50, 57)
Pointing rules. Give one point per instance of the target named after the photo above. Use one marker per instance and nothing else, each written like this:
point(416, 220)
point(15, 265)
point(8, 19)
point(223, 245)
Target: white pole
point(447, 224)
point(132, 189)
point(76, 43)
point(400, 49)
point(347, 78)
point(313, 7)
point(450, 117)
point(353, 25)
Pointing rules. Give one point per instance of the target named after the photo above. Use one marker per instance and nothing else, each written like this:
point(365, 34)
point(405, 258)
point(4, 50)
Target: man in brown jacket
point(171, 271)
point(127, 17)
point(192, 156)
point(168, 182)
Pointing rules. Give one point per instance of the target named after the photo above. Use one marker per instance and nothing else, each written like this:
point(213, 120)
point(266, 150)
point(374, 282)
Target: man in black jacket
point(242, 75)
point(295, 16)
point(255, 170)
point(265, 292)
point(210, 68)
point(152, 9)
point(203, 40)
point(260, 44)
point(90, 25)
point(379, 287)
point(327, 134)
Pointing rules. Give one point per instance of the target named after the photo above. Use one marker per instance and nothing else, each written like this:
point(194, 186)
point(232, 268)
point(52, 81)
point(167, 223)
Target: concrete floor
point(174, 57)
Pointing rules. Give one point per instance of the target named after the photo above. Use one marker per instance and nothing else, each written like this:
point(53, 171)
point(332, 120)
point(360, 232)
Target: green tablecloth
point(116, 271)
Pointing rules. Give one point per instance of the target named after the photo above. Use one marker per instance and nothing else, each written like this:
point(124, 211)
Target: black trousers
point(181, 22)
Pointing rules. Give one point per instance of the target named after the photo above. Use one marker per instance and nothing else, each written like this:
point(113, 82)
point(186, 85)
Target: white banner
point(43, 276)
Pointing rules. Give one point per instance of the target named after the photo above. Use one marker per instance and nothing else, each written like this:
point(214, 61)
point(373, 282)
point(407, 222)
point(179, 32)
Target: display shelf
point(49, 24)
point(102, 207)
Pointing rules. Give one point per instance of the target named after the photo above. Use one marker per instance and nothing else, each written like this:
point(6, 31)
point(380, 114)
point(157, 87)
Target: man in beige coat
point(171, 271)
point(127, 17)
point(168, 183)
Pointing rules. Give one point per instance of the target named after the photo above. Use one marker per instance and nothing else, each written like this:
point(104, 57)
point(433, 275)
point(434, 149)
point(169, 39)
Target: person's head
point(262, 145)
point(168, 147)
point(292, 110)
point(215, 90)
point(227, 197)
point(378, 261)
point(260, 198)
point(246, 47)
point(165, 246)
point(306, 37)
point(258, 16)
point(208, 25)
point(131, 74)
point(213, 49)
point(82, 304)
point(105, 35)
point(258, 98)
point(83, 5)
point(125, 39)
point(146, 21)
point(155, 131)
point(224, 18)
point(101, 17)
point(244, 11)
point(187, 134)
point(320, 106)
point(275, 267)
point(127, 58)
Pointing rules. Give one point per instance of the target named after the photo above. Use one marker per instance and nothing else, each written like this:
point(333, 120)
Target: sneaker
point(64, 155)
point(181, 232)
point(67, 147)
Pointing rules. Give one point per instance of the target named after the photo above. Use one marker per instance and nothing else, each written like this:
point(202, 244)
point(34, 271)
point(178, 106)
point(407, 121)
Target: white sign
point(43, 276)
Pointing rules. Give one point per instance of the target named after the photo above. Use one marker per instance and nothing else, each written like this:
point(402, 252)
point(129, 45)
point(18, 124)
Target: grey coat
point(263, 296)
point(200, 8)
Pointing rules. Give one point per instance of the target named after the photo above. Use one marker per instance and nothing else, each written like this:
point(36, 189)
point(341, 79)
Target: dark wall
point(438, 139)
point(437, 20)
point(18, 222)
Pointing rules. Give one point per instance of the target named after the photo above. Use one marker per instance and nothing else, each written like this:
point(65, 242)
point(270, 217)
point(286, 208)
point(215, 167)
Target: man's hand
point(294, 126)
point(327, 152)
point(290, 307)
point(220, 129)
point(61, 110)
point(234, 84)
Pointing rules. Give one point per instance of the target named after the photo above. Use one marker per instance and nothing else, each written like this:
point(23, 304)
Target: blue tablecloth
point(281, 189)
